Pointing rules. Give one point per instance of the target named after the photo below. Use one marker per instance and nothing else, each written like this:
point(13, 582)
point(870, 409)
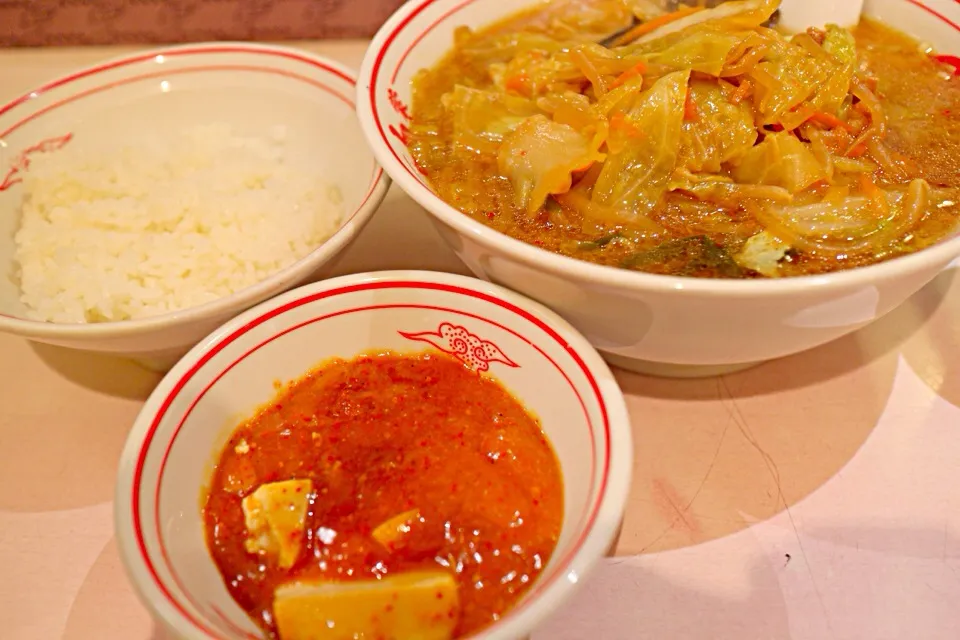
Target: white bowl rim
point(349, 227)
point(593, 540)
point(564, 266)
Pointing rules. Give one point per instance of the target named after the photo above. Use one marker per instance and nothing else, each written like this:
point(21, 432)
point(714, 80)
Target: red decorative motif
point(402, 134)
point(415, 169)
point(457, 341)
point(952, 61)
point(22, 162)
point(398, 104)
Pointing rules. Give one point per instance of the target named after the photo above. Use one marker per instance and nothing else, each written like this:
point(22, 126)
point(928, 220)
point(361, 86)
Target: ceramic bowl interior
point(188, 419)
point(422, 32)
point(252, 88)
point(664, 325)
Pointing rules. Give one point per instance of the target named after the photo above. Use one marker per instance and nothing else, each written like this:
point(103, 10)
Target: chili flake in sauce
point(381, 466)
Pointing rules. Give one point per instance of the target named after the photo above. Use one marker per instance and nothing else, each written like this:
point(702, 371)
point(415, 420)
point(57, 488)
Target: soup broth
point(698, 143)
point(388, 496)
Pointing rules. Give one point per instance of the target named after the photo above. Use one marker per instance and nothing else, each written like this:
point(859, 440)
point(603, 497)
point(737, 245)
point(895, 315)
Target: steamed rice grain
point(114, 233)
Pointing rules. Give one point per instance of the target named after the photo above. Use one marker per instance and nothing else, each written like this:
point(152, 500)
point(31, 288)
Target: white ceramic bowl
point(188, 419)
point(252, 88)
point(658, 324)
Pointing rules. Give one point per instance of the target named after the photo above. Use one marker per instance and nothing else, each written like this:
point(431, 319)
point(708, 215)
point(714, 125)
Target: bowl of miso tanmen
point(695, 191)
point(403, 455)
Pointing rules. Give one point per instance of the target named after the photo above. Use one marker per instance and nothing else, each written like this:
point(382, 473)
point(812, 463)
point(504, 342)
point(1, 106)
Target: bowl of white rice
point(148, 199)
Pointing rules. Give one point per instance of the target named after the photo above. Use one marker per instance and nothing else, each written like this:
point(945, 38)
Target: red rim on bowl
point(375, 77)
point(337, 73)
point(609, 496)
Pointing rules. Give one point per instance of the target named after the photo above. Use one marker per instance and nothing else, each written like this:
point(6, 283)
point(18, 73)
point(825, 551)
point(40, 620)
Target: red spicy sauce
point(380, 435)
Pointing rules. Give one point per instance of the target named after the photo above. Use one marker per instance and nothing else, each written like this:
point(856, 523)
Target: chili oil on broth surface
point(411, 472)
point(724, 149)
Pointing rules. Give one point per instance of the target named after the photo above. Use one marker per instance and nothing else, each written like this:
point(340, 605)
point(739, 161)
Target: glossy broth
point(379, 436)
point(682, 235)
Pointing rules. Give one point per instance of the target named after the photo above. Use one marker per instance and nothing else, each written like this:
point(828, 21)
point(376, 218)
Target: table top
point(811, 498)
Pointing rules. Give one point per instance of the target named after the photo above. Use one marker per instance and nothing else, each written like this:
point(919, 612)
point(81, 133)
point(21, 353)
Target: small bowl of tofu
point(397, 455)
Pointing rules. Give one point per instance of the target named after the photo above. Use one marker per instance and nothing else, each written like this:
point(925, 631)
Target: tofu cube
point(418, 605)
point(275, 516)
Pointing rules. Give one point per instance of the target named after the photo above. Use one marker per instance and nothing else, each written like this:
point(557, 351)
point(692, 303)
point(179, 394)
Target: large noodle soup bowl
point(184, 425)
point(657, 324)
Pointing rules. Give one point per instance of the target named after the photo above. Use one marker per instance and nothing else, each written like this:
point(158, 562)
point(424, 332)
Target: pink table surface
point(812, 498)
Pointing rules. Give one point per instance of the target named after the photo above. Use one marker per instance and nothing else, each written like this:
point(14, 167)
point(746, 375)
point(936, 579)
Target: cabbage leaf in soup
point(700, 143)
point(645, 130)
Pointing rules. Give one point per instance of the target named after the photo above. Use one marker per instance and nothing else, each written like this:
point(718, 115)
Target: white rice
point(160, 224)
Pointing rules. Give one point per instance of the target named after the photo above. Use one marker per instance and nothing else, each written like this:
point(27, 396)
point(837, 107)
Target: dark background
point(83, 22)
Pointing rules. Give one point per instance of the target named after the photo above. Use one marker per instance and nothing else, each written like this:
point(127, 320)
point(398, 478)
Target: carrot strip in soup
point(636, 70)
point(644, 28)
point(830, 121)
point(744, 91)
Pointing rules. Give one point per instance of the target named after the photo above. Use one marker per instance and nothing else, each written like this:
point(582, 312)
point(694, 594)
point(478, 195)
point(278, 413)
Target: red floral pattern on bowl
point(22, 162)
point(456, 340)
